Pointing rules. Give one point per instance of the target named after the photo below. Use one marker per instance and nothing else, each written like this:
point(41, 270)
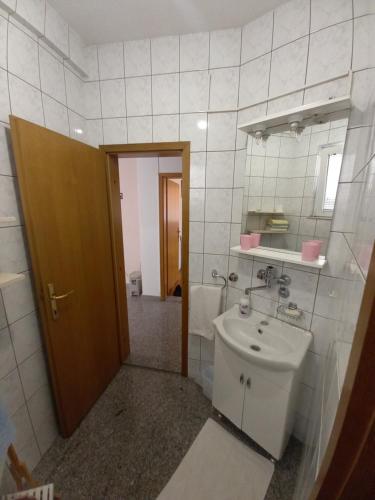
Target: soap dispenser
point(244, 306)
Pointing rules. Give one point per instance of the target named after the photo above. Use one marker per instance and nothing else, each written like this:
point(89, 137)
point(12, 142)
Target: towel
point(277, 222)
point(7, 433)
point(205, 305)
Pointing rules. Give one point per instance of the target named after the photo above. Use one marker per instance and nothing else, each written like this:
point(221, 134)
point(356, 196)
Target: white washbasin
point(277, 344)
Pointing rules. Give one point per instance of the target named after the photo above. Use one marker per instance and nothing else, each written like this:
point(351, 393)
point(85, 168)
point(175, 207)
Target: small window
point(328, 169)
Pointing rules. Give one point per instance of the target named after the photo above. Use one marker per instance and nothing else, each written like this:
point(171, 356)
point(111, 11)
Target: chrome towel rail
point(215, 274)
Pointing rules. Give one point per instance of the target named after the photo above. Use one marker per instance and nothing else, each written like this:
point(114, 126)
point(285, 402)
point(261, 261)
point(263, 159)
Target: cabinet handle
point(242, 378)
point(248, 382)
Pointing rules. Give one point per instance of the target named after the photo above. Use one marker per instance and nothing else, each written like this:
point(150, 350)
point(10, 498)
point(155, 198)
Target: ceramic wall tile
point(93, 107)
point(193, 128)
point(18, 299)
point(52, 76)
point(3, 42)
point(33, 373)
point(56, 115)
point(76, 50)
point(218, 205)
point(4, 97)
point(363, 7)
point(140, 129)
point(363, 54)
point(166, 128)
point(111, 61)
point(197, 170)
point(225, 48)
point(94, 132)
point(218, 262)
point(325, 14)
point(224, 89)
point(330, 52)
point(10, 202)
point(195, 269)
point(137, 57)
point(292, 21)
point(11, 391)
point(194, 51)
point(254, 77)
point(194, 87)
point(165, 94)
point(197, 203)
point(74, 92)
point(23, 56)
point(25, 101)
point(32, 12)
point(115, 131)
point(288, 67)
point(257, 37)
point(26, 336)
point(56, 30)
point(138, 96)
point(165, 55)
point(113, 98)
point(221, 131)
point(91, 62)
point(196, 234)
point(7, 359)
point(219, 169)
point(216, 238)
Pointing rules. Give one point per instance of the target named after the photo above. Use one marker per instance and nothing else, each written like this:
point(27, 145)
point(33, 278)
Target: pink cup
point(255, 240)
point(311, 249)
point(245, 241)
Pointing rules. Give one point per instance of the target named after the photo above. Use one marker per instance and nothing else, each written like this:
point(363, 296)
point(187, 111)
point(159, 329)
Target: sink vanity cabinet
point(258, 394)
point(254, 399)
point(254, 403)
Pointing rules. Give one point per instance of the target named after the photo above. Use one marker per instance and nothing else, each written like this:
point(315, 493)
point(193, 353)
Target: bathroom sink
point(263, 340)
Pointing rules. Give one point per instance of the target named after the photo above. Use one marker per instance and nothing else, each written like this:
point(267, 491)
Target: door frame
point(178, 148)
point(347, 469)
point(163, 177)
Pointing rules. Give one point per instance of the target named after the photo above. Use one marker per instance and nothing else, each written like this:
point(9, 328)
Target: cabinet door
point(265, 413)
point(229, 382)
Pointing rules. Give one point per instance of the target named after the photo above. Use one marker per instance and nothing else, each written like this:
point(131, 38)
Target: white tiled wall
point(161, 90)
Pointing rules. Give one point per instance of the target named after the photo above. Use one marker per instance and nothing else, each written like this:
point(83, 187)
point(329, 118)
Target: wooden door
point(64, 197)
point(173, 235)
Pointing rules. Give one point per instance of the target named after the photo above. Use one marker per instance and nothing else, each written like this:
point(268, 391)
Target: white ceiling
point(101, 21)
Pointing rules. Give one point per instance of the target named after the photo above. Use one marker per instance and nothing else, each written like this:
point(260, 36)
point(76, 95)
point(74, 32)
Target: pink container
point(245, 241)
point(255, 240)
point(311, 249)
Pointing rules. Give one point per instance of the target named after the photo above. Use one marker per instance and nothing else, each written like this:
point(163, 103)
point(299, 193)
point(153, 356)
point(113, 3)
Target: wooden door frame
point(162, 229)
point(347, 470)
point(179, 148)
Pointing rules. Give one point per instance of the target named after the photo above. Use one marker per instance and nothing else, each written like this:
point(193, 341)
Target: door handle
point(54, 298)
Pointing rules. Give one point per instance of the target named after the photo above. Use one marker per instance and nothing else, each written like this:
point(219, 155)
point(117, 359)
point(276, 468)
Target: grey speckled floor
point(136, 435)
point(155, 333)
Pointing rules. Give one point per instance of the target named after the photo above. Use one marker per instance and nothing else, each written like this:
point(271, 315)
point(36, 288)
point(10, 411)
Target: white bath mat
point(219, 467)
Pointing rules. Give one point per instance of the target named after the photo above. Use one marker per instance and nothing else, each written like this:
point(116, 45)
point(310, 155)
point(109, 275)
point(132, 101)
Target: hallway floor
point(155, 332)
point(134, 438)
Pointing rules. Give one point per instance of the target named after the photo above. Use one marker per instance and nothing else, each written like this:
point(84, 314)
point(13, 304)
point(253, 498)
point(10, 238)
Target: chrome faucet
point(268, 275)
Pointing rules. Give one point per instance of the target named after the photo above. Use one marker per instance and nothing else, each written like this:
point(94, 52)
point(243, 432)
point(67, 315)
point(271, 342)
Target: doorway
point(151, 213)
point(149, 198)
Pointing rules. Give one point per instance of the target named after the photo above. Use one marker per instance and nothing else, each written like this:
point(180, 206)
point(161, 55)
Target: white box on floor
point(135, 285)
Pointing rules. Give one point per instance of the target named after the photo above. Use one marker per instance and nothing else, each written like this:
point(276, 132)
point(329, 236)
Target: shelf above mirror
point(279, 122)
point(282, 256)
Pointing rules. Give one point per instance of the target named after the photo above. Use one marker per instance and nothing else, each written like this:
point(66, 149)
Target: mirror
point(291, 181)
